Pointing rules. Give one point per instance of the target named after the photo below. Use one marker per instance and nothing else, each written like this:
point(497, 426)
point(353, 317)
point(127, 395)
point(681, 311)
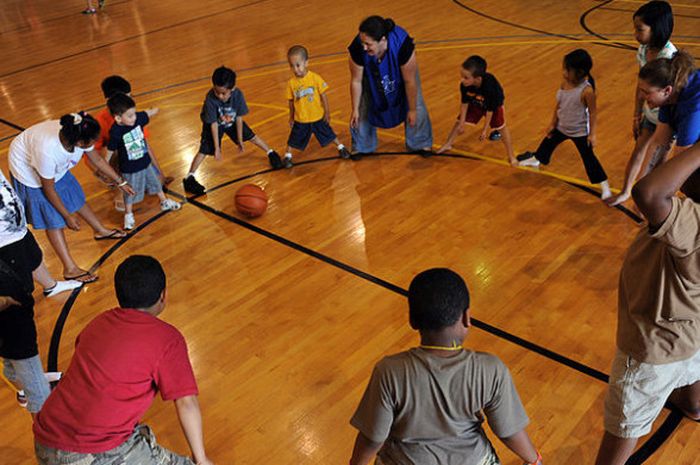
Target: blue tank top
point(385, 84)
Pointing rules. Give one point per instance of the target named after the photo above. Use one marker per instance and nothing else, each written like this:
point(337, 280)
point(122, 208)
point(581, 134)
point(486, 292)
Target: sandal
point(84, 278)
point(115, 234)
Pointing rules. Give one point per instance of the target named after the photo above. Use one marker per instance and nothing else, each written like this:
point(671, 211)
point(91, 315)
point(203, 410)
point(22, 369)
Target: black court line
point(656, 440)
point(54, 345)
point(675, 15)
point(604, 43)
point(126, 39)
point(11, 124)
point(582, 21)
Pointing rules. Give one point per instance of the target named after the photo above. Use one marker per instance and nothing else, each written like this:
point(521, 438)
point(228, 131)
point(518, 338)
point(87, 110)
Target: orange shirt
point(106, 120)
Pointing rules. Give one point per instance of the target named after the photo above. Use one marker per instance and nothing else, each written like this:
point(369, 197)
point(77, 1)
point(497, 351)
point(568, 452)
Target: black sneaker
point(423, 153)
point(356, 156)
point(495, 135)
point(344, 153)
point(524, 156)
point(192, 186)
point(287, 161)
point(275, 161)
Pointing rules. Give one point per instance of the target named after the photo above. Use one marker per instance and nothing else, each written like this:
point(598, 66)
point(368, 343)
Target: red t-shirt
point(106, 120)
point(122, 359)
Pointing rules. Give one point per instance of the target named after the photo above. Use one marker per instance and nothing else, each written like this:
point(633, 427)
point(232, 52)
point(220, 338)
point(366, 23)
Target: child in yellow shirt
point(309, 112)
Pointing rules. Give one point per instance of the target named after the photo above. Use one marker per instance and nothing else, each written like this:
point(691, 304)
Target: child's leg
point(196, 161)
point(257, 140)
point(451, 138)
point(594, 170)
point(547, 146)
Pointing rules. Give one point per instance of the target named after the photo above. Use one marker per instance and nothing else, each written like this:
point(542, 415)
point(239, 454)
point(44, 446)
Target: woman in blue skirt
point(41, 158)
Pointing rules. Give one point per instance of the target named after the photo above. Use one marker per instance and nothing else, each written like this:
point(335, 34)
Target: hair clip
point(77, 118)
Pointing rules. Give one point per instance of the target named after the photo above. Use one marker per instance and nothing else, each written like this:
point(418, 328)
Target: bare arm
point(521, 445)
point(555, 119)
point(364, 450)
point(105, 168)
point(653, 193)
point(408, 72)
point(7, 302)
point(637, 116)
point(458, 128)
point(326, 108)
point(191, 423)
point(291, 113)
point(356, 72)
point(239, 132)
point(487, 122)
point(590, 100)
point(215, 138)
point(151, 112)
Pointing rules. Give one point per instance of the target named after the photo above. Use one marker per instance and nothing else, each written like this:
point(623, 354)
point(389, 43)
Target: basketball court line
point(582, 22)
point(624, 10)
point(11, 124)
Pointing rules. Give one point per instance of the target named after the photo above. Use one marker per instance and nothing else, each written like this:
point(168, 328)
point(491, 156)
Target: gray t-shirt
point(225, 113)
point(428, 410)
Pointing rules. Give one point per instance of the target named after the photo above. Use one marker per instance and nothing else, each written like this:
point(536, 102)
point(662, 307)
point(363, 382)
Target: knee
point(693, 412)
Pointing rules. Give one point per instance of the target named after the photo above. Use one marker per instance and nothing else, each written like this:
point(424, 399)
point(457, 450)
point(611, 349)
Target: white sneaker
point(129, 221)
point(169, 204)
point(62, 286)
point(605, 190)
point(53, 376)
point(531, 162)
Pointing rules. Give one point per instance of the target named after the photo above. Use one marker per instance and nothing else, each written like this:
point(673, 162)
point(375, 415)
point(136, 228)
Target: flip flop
point(115, 234)
point(84, 278)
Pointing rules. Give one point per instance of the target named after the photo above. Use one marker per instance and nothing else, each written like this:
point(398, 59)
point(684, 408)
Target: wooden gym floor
point(286, 315)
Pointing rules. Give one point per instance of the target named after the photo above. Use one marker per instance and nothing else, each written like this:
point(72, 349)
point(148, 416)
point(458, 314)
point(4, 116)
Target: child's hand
point(549, 131)
point(217, 154)
point(152, 111)
point(460, 127)
point(241, 148)
point(291, 122)
point(591, 140)
point(514, 162)
point(327, 118)
point(484, 134)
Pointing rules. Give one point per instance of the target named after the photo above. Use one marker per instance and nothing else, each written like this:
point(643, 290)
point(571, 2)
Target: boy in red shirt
point(122, 359)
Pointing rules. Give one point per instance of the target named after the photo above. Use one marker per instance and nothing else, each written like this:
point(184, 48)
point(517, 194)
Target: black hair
point(659, 17)
point(437, 298)
point(119, 104)
point(79, 127)
point(580, 62)
point(139, 282)
point(115, 84)
point(377, 27)
point(691, 186)
point(475, 65)
point(664, 72)
point(298, 50)
point(224, 77)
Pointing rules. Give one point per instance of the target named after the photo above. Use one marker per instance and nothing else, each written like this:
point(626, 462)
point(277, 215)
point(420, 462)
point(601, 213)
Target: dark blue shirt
point(130, 144)
point(684, 115)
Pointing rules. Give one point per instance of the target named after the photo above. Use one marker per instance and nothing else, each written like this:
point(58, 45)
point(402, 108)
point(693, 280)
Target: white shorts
point(638, 391)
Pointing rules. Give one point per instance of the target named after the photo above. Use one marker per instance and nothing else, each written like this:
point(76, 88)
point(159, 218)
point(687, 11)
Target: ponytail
point(591, 81)
point(377, 27)
point(664, 72)
point(79, 127)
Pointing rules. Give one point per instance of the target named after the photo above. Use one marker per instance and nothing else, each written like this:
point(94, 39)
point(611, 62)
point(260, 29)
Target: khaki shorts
point(638, 391)
point(140, 449)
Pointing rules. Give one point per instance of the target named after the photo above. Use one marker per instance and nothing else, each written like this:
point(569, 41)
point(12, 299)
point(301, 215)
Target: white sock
point(53, 376)
point(269, 151)
point(341, 146)
point(190, 174)
point(605, 190)
point(288, 155)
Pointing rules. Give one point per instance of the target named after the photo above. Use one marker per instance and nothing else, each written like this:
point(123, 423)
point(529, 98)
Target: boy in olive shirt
point(424, 406)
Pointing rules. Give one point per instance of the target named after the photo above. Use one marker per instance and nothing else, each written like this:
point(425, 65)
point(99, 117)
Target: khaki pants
point(140, 449)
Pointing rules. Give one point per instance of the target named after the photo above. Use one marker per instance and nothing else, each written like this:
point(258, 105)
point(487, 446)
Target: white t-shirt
point(652, 114)
point(13, 225)
point(38, 152)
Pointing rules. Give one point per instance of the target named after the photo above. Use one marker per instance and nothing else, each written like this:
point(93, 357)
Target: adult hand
point(204, 461)
point(617, 199)
point(73, 222)
point(241, 147)
point(217, 155)
point(411, 118)
point(354, 119)
point(7, 302)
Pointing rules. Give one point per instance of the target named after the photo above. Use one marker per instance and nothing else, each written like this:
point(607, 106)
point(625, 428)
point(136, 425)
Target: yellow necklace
point(453, 347)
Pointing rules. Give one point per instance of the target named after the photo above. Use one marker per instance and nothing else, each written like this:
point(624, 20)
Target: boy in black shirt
point(482, 97)
point(126, 137)
point(222, 113)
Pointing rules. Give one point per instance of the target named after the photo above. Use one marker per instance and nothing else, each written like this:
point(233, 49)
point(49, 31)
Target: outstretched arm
point(653, 193)
point(191, 422)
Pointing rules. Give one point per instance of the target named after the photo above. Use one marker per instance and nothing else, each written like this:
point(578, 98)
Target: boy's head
point(298, 58)
point(224, 80)
point(473, 69)
point(113, 85)
point(140, 283)
point(437, 299)
point(123, 108)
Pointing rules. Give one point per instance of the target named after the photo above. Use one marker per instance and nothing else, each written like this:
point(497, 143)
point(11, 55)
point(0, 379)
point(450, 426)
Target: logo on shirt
point(11, 218)
point(227, 115)
point(135, 144)
point(388, 85)
point(302, 92)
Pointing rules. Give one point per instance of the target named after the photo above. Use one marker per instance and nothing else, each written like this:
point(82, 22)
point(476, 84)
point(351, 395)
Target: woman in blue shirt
point(385, 87)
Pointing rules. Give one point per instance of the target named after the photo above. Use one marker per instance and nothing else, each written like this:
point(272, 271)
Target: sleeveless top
point(572, 113)
point(652, 114)
point(383, 80)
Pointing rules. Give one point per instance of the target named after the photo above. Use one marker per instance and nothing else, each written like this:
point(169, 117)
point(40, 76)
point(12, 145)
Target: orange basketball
point(251, 201)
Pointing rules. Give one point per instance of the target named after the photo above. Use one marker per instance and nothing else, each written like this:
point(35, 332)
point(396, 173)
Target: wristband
point(123, 183)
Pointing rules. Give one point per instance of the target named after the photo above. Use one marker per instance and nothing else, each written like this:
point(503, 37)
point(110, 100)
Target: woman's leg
point(364, 136)
point(420, 136)
point(89, 216)
point(57, 238)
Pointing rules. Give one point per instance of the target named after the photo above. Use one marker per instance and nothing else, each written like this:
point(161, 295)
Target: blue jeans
point(420, 136)
point(28, 374)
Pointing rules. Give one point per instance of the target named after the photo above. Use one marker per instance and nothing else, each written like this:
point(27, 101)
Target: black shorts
point(17, 329)
point(206, 144)
point(301, 134)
